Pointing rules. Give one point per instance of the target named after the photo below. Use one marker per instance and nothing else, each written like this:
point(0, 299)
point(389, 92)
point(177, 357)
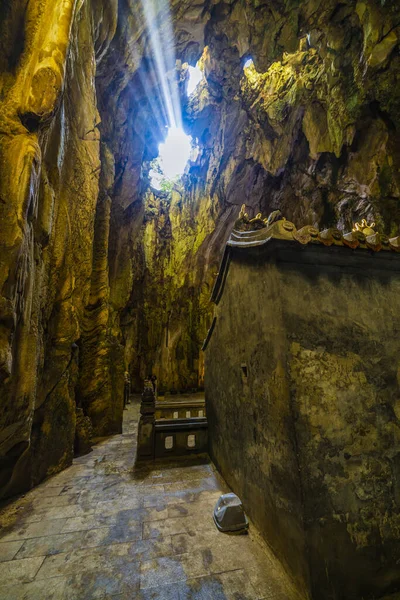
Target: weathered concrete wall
point(314, 431)
point(344, 359)
point(251, 431)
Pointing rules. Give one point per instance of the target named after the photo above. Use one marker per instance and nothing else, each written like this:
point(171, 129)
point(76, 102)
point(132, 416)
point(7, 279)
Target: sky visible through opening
point(174, 153)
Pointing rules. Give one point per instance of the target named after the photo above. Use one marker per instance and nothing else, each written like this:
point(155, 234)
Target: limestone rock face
point(50, 183)
point(99, 273)
point(83, 433)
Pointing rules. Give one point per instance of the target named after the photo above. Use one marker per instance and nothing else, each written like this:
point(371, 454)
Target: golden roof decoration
point(257, 231)
point(366, 229)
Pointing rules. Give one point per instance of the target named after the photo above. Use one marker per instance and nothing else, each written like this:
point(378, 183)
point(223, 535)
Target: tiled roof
point(285, 230)
point(258, 232)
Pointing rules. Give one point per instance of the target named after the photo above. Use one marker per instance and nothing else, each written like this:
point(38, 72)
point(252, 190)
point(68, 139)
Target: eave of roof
point(286, 231)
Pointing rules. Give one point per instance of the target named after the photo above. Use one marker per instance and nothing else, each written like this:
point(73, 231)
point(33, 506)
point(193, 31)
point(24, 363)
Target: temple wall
point(311, 439)
point(252, 437)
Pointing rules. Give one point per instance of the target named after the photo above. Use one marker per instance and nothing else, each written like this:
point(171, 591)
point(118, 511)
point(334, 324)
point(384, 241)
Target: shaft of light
point(161, 40)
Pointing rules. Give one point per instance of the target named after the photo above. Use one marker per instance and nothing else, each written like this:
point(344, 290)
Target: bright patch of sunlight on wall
point(173, 155)
point(195, 76)
point(250, 71)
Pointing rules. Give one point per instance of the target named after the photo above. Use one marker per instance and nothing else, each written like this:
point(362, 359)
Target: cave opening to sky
point(174, 152)
point(195, 76)
point(172, 158)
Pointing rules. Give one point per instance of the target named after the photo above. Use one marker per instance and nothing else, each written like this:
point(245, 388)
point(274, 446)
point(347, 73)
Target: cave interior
point(135, 135)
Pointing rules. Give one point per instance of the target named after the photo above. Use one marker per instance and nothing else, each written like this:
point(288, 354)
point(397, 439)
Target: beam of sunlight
point(195, 76)
point(160, 31)
point(173, 157)
point(143, 85)
point(174, 153)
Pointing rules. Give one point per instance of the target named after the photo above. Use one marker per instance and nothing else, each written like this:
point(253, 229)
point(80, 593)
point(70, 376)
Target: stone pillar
point(146, 423)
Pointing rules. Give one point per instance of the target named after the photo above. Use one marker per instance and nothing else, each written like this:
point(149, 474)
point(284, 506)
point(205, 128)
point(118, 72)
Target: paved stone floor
point(105, 529)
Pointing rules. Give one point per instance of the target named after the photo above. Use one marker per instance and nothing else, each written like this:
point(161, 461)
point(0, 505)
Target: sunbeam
point(160, 33)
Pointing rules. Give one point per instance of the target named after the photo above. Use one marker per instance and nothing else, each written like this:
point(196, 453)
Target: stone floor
point(104, 528)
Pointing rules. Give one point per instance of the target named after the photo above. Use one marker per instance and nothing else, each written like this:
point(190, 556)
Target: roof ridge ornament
point(364, 228)
point(258, 231)
point(244, 223)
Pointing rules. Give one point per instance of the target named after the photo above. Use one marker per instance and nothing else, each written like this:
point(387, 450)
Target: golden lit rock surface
point(50, 165)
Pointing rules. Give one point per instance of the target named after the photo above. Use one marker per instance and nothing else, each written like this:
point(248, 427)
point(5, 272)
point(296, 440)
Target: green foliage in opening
point(166, 184)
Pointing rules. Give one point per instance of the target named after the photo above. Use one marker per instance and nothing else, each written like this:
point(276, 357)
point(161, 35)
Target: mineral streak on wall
point(302, 393)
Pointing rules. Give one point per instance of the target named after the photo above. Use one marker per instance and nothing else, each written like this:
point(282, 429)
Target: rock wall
point(302, 393)
point(97, 271)
point(67, 69)
point(49, 266)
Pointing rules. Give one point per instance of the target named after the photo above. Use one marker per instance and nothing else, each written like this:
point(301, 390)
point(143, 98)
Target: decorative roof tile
point(363, 236)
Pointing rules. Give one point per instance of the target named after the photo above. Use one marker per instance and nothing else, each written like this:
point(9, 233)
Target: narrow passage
point(105, 529)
